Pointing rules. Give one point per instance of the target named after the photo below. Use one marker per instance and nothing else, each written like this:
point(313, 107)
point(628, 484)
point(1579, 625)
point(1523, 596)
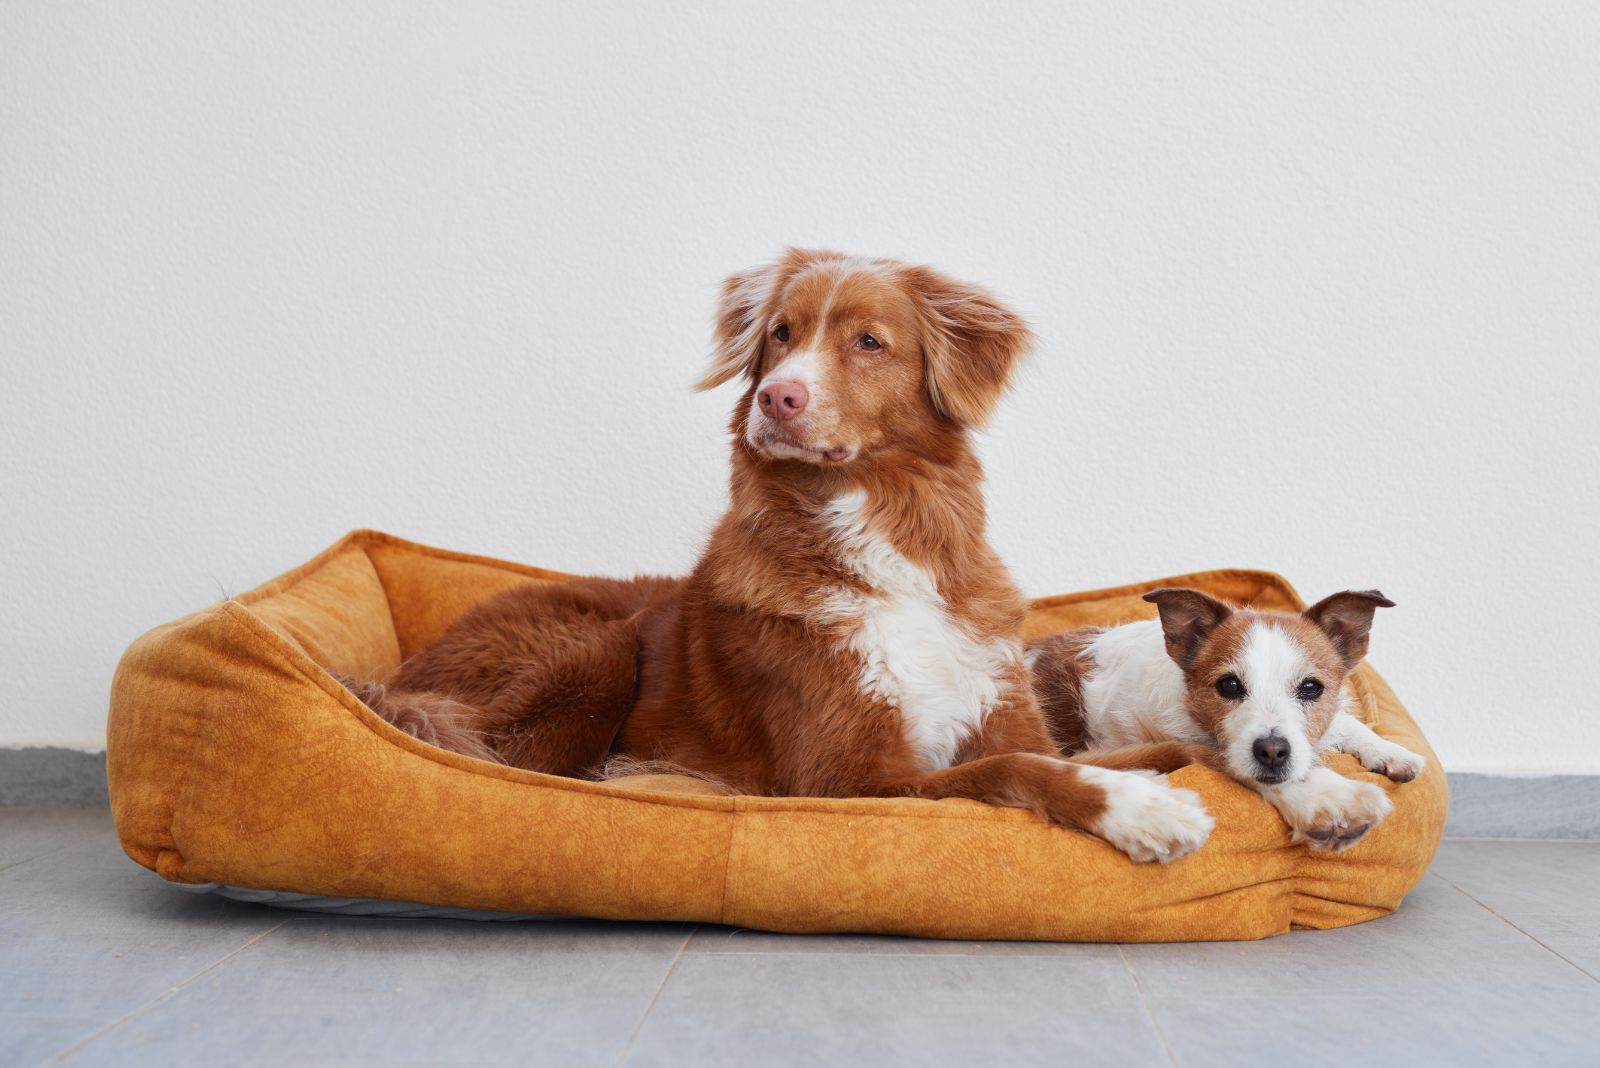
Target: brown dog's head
point(846, 356)
point(1266, 684)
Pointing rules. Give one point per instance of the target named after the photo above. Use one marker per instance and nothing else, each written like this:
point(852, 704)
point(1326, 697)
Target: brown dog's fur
point(744, 671)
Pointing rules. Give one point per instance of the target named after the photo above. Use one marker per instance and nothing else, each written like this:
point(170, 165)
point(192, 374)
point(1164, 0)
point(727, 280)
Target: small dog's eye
point(782, 333)
point(869, 342)
point(1230, 687)
point(1309, 690)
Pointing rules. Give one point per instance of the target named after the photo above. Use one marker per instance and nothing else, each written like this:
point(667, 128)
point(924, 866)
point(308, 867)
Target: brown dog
point(848, 630)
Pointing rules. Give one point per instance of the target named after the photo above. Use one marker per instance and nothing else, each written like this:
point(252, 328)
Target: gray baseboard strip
point(51, 777)
point(1503, 806)
point(1481, 806)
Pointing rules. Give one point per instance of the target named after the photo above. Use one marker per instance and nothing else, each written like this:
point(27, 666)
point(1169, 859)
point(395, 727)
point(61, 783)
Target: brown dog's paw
point(1147, 819)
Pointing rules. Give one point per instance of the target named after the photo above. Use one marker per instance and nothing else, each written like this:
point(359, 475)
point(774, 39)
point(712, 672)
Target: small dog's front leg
point(1346, 734)
point(1327, 811)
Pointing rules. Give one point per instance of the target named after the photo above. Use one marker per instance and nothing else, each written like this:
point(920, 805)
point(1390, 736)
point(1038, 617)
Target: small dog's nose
point(1271, 751)
point(783, 400)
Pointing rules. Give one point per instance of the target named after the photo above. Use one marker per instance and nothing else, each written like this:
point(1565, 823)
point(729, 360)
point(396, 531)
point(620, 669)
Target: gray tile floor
point(1493, 960)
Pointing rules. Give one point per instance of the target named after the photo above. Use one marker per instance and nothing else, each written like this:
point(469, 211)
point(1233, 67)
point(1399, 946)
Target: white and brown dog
point(1258, 695)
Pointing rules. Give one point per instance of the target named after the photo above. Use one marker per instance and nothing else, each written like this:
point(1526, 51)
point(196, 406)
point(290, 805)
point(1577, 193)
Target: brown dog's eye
point(782, 333)
point(870, 343)
point(1309, 690)
point(1230, 687)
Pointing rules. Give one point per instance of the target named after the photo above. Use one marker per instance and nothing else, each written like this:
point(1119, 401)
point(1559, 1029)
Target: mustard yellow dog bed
point(235, 759)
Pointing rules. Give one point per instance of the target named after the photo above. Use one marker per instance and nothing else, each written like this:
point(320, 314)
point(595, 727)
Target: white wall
point(1317, 286)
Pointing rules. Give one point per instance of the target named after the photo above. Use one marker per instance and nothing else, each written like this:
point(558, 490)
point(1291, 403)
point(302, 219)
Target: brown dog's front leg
point(1146, 819)
point(1161, 757)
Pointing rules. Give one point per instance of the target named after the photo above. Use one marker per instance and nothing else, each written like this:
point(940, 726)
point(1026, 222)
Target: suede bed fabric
point(233, 757)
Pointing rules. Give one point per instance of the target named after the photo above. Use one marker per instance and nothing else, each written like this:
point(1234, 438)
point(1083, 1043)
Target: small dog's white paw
point(1329, 812)
point(1397, 762)
point(1147, 819)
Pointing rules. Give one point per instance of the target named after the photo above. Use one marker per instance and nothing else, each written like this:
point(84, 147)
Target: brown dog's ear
point(740, 328)
point(1187, 617)
point(973, 342)
point(1346, 618)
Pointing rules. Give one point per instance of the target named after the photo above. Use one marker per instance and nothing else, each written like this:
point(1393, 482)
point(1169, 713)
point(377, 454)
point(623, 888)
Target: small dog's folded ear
point(972, 343)
point(1187, 618)
point(1346, 618)
point(739, 331)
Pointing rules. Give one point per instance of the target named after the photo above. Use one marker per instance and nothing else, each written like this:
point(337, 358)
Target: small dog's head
point(1266, 684)
point(846, 357)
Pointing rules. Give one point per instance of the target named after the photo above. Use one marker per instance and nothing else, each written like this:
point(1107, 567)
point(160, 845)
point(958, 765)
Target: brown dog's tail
point(621, 766)
point(427, 717)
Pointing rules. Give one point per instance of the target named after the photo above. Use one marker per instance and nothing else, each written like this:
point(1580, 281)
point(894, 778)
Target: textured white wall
point(1317, 286)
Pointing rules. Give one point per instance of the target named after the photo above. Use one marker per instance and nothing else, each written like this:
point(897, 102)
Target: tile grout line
point(159, 998)
point(627, 1050)
point(25, 860)
point(49, 851)
point(1144, 1003)
point(1511, 924)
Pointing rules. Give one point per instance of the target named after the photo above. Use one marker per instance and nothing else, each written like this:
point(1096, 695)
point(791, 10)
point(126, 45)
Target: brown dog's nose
point(783, 400)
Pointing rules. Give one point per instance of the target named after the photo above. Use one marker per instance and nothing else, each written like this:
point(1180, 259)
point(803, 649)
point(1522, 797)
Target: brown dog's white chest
point(914, 653)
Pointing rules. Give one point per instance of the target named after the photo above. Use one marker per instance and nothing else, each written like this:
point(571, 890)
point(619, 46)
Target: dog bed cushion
point(236, 762)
